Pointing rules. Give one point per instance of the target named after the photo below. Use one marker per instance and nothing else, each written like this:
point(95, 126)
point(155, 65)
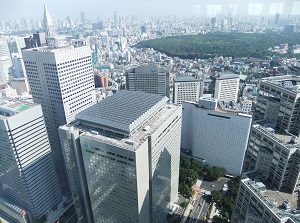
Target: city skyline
point(15, 9)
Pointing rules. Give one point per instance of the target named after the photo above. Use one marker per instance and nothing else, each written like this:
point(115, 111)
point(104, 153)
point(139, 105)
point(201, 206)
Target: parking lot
point(214, 185)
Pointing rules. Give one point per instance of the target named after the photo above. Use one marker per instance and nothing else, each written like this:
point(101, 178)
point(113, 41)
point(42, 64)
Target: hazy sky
point(12, 9)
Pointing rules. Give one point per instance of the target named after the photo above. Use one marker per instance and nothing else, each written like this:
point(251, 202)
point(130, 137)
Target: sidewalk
point(213, 212)
point(186, 213)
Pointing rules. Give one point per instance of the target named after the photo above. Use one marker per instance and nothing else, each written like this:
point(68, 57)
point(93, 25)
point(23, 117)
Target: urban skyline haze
point(12, 9)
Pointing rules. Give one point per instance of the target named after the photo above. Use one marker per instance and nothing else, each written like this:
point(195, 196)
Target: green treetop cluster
point(209, 45)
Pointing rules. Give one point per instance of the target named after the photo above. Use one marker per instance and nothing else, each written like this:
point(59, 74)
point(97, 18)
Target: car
point(213, 185)
point(200, 204)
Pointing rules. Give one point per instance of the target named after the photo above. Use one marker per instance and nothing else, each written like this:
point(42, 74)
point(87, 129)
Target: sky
point(12, 9)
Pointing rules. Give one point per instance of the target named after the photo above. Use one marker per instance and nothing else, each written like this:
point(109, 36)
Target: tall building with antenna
point(48, 23)
point(61, 80)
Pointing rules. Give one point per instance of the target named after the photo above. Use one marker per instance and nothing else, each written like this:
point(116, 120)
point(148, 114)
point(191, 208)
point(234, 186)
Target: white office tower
point(227, 87)
point(149, 78)
point(216, 132)
point(28, 182)
point(123, 156)
point(6, 65)
point(62, 81)
point(186, 88)
point(49, 27)
point(116, 19)
point(18, 65)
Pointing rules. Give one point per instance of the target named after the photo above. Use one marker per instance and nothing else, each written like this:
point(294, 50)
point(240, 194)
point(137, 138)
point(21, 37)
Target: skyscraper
point(6, 65)
point(61, 80)
point(270, 188)
point(227, 87)
point(116, 19)
point(278, 101)
point(186, 88)
point(28, 179)
point(149, 78)
point(18, 65)
point(277, 18)
point(48, 23)
point(82, 18)
point(126, 150)
point(216, 132)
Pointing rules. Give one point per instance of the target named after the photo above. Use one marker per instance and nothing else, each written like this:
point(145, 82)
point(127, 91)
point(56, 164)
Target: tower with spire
point(48, 23)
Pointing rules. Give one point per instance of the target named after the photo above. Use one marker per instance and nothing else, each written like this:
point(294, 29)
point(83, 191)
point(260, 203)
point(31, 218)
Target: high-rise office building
point(116, 19)
point(227, 87)
point(257, 201)
point(278, 101)
point(19, 66)
point(277, 18)
point(274, 154)
point(269, 190)
point(6, 65)
point(149, 78)
point(28, 179)
point(122, 156)
point(61, 80)
point(82, 18)
point(186, 88)
point(216, 132)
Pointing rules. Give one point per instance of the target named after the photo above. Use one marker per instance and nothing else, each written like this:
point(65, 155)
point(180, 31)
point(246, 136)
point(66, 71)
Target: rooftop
point(227, 107)
point(186, 78)
point(284, 139)
point(10, 107)
point(124, 112)
point(55, 48)
point(224, 76)
point(284, 205)
point(135, 140)
point(289, 83)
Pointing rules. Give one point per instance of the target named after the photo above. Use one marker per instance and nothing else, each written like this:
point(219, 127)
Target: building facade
point(280, 153)
point(28, 178)
point(128, 161)
point(216, 132)
point(6, 65)
point(227, 87)
point(186, 88)
point(258, 202)
point(19, 66)
point(150, 79)
point(278, 101)
point(61, 80)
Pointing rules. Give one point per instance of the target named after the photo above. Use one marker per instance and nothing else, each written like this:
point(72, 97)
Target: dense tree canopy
point(220, 44)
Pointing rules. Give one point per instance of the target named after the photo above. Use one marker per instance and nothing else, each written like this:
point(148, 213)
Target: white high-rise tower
point(28, 182)
point(61, 80)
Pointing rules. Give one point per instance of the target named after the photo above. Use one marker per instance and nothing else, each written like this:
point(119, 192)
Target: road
point(200, 210)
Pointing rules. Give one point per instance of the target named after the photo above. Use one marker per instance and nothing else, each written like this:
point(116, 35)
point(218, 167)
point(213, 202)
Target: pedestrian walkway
point(186, 213)
point(213, 212)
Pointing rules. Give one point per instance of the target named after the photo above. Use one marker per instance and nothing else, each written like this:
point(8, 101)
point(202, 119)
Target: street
point(200, 209)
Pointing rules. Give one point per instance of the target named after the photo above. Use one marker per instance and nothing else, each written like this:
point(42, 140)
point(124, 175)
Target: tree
point(197, 166)
point(185, 163)
point(226, 215)
point(183, 175)
point(219, 219)
point(217, 195)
